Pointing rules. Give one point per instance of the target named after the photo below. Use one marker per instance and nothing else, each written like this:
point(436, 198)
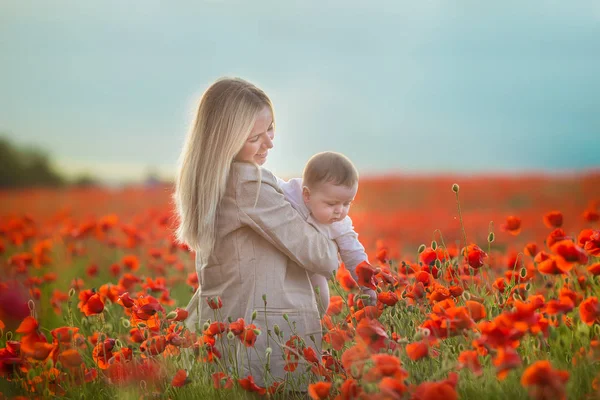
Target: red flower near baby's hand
point(366, 275)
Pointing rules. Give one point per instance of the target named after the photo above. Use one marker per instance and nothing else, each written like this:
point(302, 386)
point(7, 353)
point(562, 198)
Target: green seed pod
point(421, 249)
point(523, 272)
point(229, 319)
point(455, 188)
point(230, 335)
point(72, 292)
point(125, 322)
point(438, 263)
point(491, 237)
point(276, 329)
point(143, 325)
point(528, 286)
point(434, 245)
point(268, 351)
point(171, 315)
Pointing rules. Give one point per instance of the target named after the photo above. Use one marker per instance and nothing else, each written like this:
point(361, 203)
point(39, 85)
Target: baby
point(323, 196)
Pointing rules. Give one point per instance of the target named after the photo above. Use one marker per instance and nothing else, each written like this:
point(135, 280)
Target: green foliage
point(24, 167)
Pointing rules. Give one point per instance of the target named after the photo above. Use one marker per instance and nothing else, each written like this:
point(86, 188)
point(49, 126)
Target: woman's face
point(260, 140)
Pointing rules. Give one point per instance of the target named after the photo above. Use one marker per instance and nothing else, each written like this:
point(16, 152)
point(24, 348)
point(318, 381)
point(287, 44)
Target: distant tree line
point(30, 166)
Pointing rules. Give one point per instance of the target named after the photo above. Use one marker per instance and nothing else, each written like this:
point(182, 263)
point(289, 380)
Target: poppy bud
point(421, 249)
point(71, 292)
point(205, 326)
point(491, 237)
point(434, 245)
point(523, 272)
point(171, 315)
point(276, 329)
point(268, 351)
point(141, 325)
point(253, 315)
point(230, 335)
point(455, 188)
point(264, 297)
point(438, 263)
point(125, 322)
point(256, 331)
point(285, 316)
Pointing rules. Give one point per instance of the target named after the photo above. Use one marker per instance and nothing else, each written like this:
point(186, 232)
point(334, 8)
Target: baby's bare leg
point(323, 297)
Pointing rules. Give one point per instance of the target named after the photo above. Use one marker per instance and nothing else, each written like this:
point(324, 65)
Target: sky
point(423, 87)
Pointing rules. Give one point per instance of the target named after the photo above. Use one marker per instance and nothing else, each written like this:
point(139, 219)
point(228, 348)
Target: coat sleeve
point(263, 207)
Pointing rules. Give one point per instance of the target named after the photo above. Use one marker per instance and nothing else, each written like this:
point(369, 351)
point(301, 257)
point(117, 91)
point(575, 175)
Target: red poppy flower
point(475, 256)
point(90, 303)
point(180, 314)
point(591, 215)
point(319, 390)
point(545, 381)
point(249, 336)
point(388, 298)
point(221, 380)
point(417, 350)
point(373, 333)
point(556, 236)
point(594, 269)
point(180, 379)
point(249, 385)
point(553, 219)
point(336, 305)
point(506, 359)
point(237, 327)
point(366, 275)
point(512, 225)
point(470, 359)
point(345, 279)
point(589, 310)
point(531, 249)
point(214, 302)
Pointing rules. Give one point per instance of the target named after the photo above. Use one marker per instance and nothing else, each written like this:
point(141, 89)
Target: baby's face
point(329, 203)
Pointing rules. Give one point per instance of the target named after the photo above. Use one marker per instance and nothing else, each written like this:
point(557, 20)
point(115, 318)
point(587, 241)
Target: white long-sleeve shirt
point(342, 232)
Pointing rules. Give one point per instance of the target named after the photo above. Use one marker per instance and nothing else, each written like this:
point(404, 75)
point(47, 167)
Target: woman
point(248, 239)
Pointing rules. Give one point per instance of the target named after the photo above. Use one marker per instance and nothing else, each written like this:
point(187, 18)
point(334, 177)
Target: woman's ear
point(305, 193)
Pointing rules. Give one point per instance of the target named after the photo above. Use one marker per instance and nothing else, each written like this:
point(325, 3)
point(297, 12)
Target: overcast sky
point(423, 86)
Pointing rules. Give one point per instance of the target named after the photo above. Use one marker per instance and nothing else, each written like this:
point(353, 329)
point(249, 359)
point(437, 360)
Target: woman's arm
point(276, 220)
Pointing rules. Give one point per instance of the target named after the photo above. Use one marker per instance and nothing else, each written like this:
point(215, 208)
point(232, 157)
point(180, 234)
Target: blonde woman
point(249, 241)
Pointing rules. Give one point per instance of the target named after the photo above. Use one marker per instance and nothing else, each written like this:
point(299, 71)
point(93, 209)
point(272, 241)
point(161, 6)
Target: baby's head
point(330, 182)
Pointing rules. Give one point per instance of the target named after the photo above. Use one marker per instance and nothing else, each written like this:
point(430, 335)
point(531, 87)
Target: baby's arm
point(351, 250)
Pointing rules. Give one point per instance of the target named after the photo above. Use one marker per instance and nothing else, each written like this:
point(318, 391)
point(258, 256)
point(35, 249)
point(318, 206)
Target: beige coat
point(264, 249)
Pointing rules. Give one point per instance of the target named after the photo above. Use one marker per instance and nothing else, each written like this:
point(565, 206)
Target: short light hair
point(331, 167)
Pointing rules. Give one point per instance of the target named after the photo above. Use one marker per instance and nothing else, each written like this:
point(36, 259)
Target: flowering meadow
point(487, 288)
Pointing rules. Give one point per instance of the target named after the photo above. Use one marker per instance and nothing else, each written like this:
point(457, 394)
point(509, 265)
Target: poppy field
point(487, 287)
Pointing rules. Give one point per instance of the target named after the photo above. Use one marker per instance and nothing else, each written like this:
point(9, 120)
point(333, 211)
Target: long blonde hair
point(226, 114)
